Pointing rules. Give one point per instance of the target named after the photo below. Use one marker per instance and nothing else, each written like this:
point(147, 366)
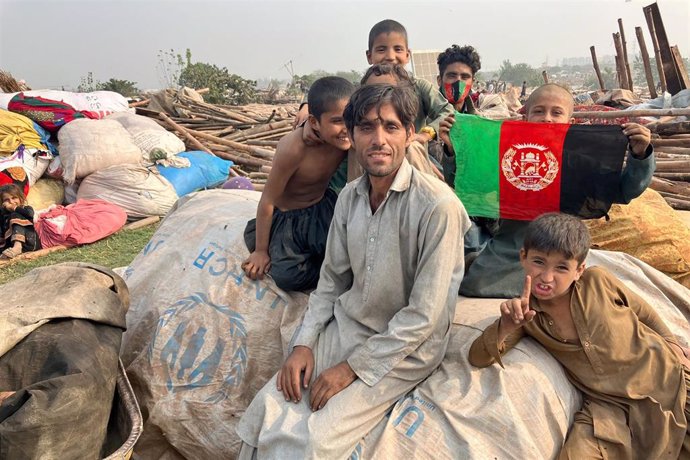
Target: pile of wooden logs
point(246, 135)
point(672, 176)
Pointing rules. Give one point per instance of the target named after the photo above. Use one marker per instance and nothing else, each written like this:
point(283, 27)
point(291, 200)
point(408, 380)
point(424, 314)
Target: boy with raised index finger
point(613, 345)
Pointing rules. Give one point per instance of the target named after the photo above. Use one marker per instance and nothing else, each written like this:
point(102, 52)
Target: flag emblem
point(529, 167)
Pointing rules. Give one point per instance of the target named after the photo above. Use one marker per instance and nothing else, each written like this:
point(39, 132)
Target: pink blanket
point(83, 222)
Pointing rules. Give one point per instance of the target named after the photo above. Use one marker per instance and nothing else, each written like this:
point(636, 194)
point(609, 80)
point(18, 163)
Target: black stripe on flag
point(591, 169)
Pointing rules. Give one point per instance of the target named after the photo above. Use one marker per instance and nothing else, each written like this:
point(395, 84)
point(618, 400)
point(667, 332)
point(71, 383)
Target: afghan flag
point(520, 170)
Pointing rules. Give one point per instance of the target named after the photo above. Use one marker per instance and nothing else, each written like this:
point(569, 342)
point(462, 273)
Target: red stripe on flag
point(530, 157)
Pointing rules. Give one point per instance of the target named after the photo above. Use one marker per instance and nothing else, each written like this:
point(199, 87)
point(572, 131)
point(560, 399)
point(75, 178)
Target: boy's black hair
point(385, 27)
point(398, 71)
point(402, 98)
point(14, 190)
point(325, 92)
point(467, 55)
point(558, 232)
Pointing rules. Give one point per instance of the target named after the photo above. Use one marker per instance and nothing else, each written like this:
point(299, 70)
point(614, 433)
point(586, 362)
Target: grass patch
point(117, 250)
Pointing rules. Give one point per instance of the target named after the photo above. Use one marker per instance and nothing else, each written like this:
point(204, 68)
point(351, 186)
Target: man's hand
point(288, 380)
point(515, 313)
point(639, 138)
point(331, 382)
point(444, 131)
point(257, 265)
point(301, 115)
point(310, 137)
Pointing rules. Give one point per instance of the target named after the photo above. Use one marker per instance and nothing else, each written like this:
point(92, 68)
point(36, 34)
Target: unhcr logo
point(198, 343)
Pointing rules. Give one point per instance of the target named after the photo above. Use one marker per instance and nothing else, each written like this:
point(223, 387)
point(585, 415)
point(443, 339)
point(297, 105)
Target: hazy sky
point(51, 43)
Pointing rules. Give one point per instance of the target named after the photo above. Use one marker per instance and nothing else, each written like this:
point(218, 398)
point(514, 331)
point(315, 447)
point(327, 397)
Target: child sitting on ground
point(288, 237)
point(17, 233)
point(614, 346)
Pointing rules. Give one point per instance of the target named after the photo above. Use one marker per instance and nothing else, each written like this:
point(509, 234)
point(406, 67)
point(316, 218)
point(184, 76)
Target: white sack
point(139, 191)
point(87, 146)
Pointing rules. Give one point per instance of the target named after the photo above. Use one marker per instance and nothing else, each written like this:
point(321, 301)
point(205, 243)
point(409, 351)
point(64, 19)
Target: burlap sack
point(140, 191)
point(650, 230)
point(202, 338)
point(87, 146)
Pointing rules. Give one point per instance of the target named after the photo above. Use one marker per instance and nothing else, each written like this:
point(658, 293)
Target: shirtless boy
point(287, 239)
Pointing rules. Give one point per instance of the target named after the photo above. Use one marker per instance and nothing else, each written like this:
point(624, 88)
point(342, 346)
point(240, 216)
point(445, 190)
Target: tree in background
point(639, 77)
point(88, 84)
point(223, 87)
point(300, 84)
point(169, 67)
point(518, 73)
point(125, 87)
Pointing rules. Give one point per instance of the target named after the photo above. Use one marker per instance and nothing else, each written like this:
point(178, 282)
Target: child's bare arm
point(285, 163)
point(502, 335)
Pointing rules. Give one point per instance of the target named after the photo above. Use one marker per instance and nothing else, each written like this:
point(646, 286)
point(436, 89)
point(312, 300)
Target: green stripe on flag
point(475, 141)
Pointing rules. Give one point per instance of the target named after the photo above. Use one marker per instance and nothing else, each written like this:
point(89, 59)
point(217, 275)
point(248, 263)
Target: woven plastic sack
point(202, 338)
point(45, 193)
point(650, 230)
point(87, 146)
point(141, 192)
point(206, 171)
point(149, 135)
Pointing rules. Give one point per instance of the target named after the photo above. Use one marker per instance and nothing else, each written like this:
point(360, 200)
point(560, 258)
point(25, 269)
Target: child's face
point(552, 273)
point(551, 106)
point(331, 126)
point(389, 48)
point(10, 202)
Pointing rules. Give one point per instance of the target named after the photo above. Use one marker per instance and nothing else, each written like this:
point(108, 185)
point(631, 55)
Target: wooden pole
point(633, 113)
point(248, 133)
point(620, 62)
point(596, 68)
point(184, 132)
point(618, 71)
point(682, 72)
point(188, 135)
point(657, 51)
point(545, 76)
point(262, 153)
point(645, 61)
point(626, 63)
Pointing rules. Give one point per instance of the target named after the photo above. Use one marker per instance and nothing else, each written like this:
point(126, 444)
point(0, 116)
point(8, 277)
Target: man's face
point(552, 105)
point(389, 48)
point(331, 126)
point(456, 71)
point(380, 140)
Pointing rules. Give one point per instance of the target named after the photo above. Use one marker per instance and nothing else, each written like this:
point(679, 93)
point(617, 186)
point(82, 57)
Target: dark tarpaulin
point(63, 376)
